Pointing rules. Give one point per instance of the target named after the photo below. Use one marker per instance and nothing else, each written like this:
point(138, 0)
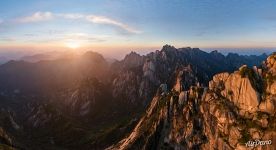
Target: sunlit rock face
point(185, 78)
point(237, 89)
point(271, 64)
point(268, 103)
point(235, 108)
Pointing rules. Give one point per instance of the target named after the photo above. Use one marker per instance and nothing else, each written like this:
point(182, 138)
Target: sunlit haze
point(115, 28)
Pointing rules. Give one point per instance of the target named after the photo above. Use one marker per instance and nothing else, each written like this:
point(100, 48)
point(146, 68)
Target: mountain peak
point(214, 52)
point(168, 48)
point(90, 55)
point(132, 56)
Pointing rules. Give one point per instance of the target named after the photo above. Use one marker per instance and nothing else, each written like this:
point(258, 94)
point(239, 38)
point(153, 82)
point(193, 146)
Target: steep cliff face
point(237, 89)
point(236, 108)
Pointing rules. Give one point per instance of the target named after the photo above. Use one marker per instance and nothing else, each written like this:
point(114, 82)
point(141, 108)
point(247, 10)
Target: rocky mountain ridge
point(85, 97)
point(147, 72)
point(226, 115)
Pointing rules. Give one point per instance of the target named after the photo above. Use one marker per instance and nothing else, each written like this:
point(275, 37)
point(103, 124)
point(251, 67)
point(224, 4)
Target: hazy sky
point(114, 27)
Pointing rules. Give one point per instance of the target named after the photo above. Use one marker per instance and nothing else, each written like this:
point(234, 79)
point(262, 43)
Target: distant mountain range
point(89, 102)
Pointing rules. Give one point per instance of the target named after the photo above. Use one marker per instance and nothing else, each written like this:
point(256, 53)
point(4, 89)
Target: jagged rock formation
point(228, 114)
point(140, 76)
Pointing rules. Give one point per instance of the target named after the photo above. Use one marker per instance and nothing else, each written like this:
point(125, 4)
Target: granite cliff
point(234, 109)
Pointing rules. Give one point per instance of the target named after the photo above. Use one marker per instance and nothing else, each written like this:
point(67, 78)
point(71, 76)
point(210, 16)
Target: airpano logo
point(258, 143)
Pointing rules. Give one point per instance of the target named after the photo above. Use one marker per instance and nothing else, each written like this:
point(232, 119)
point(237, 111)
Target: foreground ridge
point(236, 108)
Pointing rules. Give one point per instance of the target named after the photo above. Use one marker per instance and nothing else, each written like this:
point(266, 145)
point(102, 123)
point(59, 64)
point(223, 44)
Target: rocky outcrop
point(268, 103)
point(271, 64)
point(226, 115)
point(237, 89)
point(168, 124)
point(185, 78)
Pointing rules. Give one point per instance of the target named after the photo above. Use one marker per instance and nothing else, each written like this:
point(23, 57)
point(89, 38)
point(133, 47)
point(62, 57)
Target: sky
point(115, 27)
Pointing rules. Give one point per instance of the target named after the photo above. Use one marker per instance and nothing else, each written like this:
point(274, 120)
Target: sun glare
point(72, 44)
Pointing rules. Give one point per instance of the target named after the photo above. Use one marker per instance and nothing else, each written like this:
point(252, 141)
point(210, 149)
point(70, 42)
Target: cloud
point(71, 16)
point(1, 21)
point(101, 20)
point(36, 17)
point(46, 16)
point(105, 20)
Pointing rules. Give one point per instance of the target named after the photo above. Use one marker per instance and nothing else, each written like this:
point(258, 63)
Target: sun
point(72, 44)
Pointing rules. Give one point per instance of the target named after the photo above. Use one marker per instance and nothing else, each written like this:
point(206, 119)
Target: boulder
point(267, 106)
